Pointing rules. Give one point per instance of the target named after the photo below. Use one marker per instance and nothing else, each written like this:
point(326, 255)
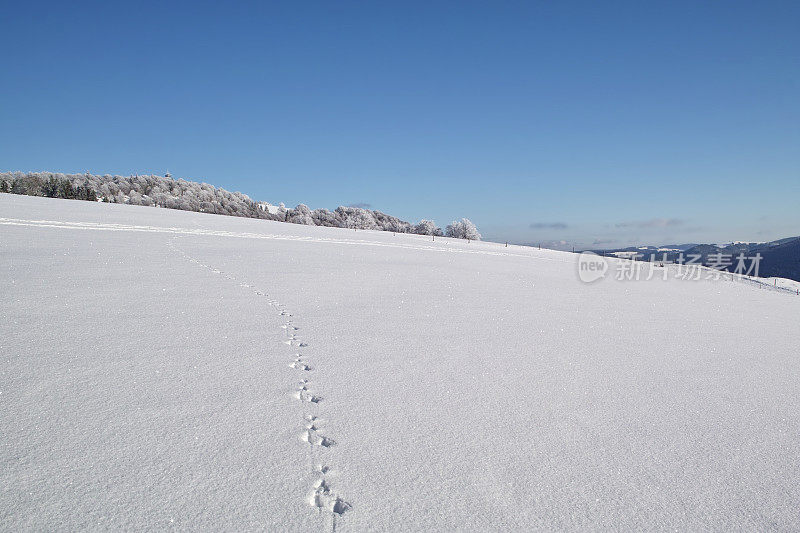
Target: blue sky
point(595, 123)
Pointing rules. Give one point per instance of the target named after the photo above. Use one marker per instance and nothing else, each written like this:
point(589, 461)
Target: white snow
point(624, 255)
point(166, 369)
point(268, 207)
point(781, 283)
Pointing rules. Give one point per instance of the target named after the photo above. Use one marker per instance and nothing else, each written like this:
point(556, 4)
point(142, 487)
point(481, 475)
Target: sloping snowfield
point(164, 369)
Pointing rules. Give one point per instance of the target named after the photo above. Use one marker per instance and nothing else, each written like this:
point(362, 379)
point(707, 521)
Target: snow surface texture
point(166, 369)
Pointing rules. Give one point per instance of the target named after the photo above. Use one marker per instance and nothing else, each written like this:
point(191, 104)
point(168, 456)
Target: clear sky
point(595, 123)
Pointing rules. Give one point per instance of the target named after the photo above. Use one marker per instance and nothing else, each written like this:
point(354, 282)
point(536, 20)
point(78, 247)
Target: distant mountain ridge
point(779, 258)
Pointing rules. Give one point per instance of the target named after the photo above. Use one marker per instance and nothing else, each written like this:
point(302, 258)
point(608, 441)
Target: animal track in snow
point(313, 437)
point(312, 425)
point(305, 396)
point(323, 498)
point(295, 342)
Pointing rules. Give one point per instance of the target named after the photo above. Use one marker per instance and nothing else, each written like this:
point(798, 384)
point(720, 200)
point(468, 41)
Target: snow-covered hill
point(176, 370)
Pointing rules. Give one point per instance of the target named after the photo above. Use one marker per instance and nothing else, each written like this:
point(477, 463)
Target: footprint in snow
point(305, 396)
point(312, 437)
point(312, 424)
point(323, 497)
point(295, 342)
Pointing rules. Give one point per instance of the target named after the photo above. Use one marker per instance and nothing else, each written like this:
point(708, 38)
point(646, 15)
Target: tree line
point(166, 192)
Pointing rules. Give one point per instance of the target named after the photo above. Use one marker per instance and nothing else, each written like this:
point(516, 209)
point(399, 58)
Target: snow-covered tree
point(390, 223)
point(300, 215)
point(356, 218)
point(323, 217)
point(463, 229)
point(427, 227)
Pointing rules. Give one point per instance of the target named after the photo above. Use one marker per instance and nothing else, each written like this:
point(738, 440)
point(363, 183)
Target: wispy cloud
point(362, 205)
point(652, 223)
point(556, 245)
point(553, 245)
point(598, 242)
point(548, 225)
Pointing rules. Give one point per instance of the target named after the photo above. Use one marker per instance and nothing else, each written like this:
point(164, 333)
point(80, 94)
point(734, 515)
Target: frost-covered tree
point(282, 212)
point(300, 215)
point(84, 192)
point(356, 218)
point(28, 184)
point(51, 187)
point(427, 227)
point(463, 229)
point(323, 217)
point(389, 223)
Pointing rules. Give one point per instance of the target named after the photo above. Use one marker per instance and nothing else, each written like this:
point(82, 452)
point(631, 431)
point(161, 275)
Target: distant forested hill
point(779, 258)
